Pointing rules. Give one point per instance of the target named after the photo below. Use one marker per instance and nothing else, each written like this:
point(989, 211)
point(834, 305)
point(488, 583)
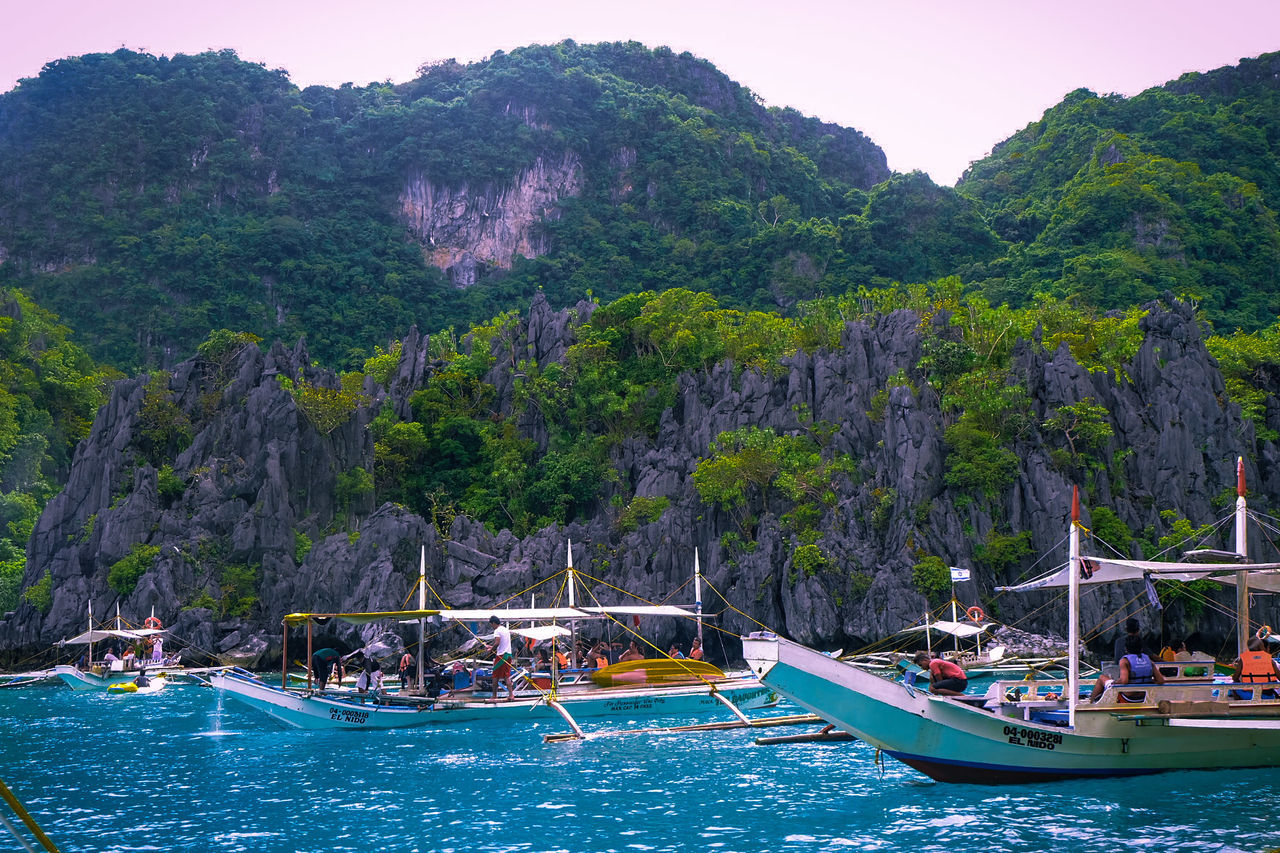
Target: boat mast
point(91, 632)
point(1242, 577)
point(1073, 610)
point(955, 620)
point(697, 593)
point(573, 623)
point(422, 620)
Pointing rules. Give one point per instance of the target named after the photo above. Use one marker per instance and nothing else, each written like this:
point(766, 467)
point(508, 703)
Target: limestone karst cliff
point(259, 477)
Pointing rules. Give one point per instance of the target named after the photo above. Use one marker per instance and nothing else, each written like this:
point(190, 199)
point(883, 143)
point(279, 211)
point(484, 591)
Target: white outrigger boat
point(100, 675)
point(653, 687)
point(1051, 732)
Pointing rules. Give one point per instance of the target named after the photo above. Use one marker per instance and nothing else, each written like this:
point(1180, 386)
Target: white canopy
point(516, 614)
point(1095, 570)
point(99, 634)
point(539, 633)
point(640, 610)
point(963, 630)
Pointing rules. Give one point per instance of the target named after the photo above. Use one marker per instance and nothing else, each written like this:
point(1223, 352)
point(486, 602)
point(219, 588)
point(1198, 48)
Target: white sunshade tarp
point(1096, 570)
point(963, 630)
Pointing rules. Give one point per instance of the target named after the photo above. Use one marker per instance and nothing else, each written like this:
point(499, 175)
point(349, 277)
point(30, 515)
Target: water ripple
point(171, 773)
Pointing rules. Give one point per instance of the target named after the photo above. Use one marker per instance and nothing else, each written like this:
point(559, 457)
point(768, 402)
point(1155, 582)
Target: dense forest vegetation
point(148, 200)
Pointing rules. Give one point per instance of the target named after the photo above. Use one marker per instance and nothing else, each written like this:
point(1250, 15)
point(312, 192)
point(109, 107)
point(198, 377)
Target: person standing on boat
point(695, 651)
point(157, 650)
point(1136, 667)
point(322, 664)
point(945, 677)
point(406, 670)
point(501, 657)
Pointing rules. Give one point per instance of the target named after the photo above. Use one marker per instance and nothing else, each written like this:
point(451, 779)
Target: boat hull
point(317, 711)
point(87, 680)
point(954, 742)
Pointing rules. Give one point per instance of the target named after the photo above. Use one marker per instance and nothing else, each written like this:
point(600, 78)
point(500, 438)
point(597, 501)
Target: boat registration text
point(1032, 737)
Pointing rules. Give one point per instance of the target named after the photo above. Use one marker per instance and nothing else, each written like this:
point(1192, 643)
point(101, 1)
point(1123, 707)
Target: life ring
point(1263, 632)
point(976, 614)
point(152, 622)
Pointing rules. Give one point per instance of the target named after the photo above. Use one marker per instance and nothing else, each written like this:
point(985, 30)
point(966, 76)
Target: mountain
point(1115, 200)
point(828, 469)
point(149, 200)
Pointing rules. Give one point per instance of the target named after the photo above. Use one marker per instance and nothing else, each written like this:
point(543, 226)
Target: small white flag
point(959, 574)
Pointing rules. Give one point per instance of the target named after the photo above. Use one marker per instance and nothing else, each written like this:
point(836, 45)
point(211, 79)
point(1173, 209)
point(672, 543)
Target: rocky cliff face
point(259, 476)
point(464, 230)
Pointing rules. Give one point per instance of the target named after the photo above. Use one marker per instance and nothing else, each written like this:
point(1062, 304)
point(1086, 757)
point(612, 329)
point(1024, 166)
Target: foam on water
point(169, 773)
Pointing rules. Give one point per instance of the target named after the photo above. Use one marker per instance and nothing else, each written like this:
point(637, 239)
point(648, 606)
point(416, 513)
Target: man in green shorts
point(501, 657)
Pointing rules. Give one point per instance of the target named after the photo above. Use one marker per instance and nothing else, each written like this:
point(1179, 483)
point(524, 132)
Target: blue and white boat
point(1052, 732)
point(656, 688)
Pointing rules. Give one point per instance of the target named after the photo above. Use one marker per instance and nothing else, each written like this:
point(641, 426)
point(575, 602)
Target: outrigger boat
point(653, 687)
point(99, 675)
point(1051, 732)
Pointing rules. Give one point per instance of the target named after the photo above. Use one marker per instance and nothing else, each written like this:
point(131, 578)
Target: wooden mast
point(1073, 610)
point(1242, 577)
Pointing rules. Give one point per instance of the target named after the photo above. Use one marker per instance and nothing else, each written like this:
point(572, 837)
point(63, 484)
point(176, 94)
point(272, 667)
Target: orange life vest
point(601, 662)
point(561, 660)
point(1256, 667)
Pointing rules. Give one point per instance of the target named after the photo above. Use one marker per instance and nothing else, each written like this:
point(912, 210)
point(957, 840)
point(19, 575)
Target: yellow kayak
point(655, 671)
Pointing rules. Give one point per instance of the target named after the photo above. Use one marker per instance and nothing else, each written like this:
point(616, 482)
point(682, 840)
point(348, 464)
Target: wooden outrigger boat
point(1051, 732)
point(654, 687)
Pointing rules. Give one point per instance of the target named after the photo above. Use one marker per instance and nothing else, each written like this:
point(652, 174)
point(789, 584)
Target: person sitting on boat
point(674, 652)
point(1256, 665)
point(142, 680)
point(501, 657)
point(129, 658)
point(632, 653)
point(322, 665)
point(945, 677)
point(1136, 667)
point(562, 660)
point(1131, 629)
point(599, 655)
point(110, 656)
point(695, 651)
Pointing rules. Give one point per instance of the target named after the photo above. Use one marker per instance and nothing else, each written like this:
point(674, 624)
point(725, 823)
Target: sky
point(934, 83)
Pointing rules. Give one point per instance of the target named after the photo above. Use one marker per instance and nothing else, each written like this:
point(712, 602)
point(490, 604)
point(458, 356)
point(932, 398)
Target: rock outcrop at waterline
point(258, 481)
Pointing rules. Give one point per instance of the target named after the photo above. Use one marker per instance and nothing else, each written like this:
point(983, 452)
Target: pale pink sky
point(935, 83)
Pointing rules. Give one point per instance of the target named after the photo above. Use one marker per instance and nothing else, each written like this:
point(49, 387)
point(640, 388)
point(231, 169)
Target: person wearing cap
point(501, 657)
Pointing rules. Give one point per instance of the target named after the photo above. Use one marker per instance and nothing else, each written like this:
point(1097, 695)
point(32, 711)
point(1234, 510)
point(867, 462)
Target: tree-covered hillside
point(149, 200)
point(1116, 200)
point(49, 391)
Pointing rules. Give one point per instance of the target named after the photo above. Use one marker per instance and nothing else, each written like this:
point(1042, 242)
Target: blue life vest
point(1141, 669)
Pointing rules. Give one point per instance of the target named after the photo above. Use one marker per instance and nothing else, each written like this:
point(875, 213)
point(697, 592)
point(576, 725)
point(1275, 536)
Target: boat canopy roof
point(541, 632)
point(1263, 577)
point(962, 630)
point(97, 635)
point(360, 618)
point(514, 614)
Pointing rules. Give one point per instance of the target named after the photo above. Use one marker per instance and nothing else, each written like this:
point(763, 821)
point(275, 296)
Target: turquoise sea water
point(175, 771)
